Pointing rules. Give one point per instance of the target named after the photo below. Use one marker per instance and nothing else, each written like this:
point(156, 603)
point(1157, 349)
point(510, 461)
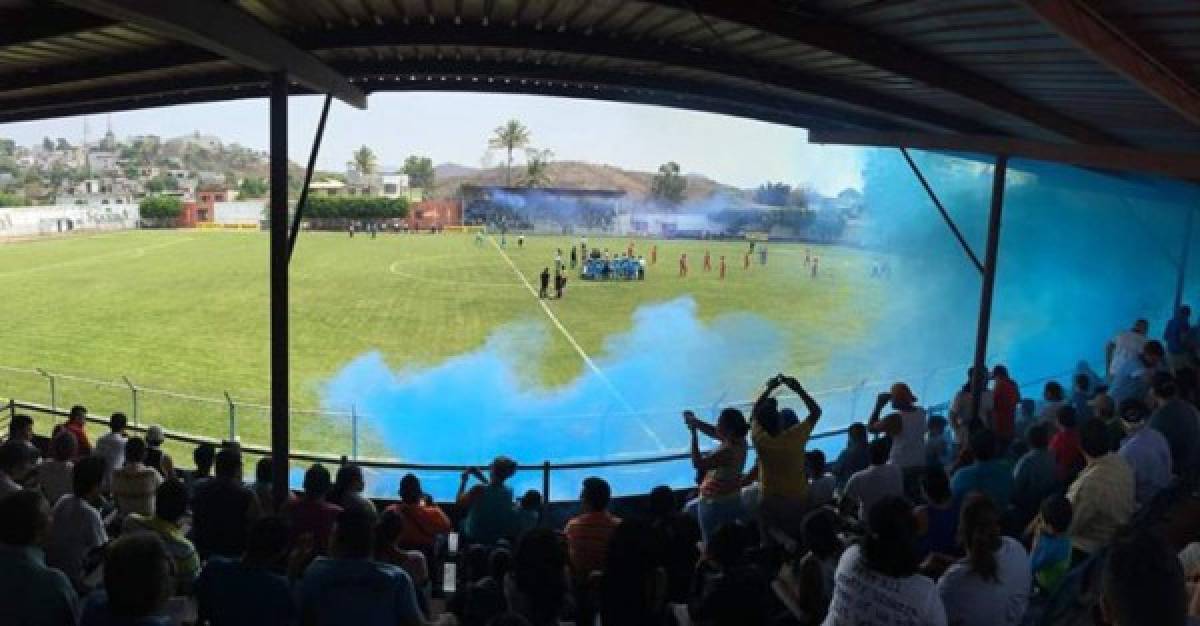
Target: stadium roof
point(1113, 73)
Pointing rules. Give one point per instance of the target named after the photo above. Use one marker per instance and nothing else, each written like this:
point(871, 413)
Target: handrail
point(382, 463)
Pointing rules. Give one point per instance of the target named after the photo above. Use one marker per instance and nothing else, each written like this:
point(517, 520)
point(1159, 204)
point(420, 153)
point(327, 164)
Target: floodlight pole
point(1181, 275)
point(279, 287)
point(979, 382)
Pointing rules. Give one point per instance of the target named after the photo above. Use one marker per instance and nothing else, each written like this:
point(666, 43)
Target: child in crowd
point(1068, 455)
point(1053, 398)
point(1050, 557)
point(937, 447)
point(821, 484)
point(529, 513)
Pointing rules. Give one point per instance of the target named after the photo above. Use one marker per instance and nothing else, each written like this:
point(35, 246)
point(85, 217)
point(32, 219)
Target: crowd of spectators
point(996, 513)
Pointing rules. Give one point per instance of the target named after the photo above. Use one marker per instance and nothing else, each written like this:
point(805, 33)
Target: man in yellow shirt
point(780, 469)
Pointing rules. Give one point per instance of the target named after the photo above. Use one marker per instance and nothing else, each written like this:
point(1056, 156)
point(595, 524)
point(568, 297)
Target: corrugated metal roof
point(974, 66)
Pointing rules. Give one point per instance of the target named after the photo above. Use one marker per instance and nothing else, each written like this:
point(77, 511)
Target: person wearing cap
point(155, 457)
point(491, 512)
point(1146, 451)
point(1177, 420)
point(906, 428)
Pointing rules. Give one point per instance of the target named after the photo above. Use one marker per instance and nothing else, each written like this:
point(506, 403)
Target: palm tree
point(537, 167)
point(363, 161)
point(510, 136)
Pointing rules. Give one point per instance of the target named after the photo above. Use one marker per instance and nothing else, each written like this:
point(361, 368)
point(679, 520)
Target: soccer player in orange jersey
point(707, 262)
point(654, 254)
point(746, 261)
point(683, 268)
point(722, 267)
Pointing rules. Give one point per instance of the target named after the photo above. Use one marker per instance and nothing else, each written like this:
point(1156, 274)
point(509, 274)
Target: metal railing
point(546, 468)
point(127, 393)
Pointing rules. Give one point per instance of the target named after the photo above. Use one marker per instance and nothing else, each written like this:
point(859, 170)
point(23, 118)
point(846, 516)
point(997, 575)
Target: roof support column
point(942, 210)
point(308, 174)
point(1181, 275)
point(279, 288)
point(979, 380)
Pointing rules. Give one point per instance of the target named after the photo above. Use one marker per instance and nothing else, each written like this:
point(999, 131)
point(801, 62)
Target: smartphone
point(452, 544)
point(449, 577)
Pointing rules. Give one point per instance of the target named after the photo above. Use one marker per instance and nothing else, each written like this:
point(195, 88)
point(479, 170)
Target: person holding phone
point(780, 469)
point(491, 514)
point(906, 427)
point(720, 499)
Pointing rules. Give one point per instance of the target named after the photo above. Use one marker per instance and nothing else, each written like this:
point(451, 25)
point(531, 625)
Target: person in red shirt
point(589, 532)
point(76, 424)
point(311, 515)
point(683, 264)
point(423, 520)
point(1005, 397)
point(707, 262)
point(654, 254)
point(1066, 446)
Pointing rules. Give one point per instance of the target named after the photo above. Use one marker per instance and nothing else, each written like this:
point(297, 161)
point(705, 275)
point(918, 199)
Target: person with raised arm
point(780, 468)
point(720, 491)
point(906, 427)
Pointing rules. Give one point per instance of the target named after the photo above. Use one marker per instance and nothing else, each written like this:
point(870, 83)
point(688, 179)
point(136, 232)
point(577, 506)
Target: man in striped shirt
point(589, 532)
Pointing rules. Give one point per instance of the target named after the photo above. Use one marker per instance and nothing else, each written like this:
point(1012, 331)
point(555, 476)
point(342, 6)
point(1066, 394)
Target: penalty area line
point(575, 344)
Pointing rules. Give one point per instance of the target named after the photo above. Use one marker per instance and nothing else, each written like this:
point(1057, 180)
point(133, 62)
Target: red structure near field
point(429, 213)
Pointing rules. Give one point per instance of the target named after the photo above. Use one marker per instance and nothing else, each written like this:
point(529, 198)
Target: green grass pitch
point(187, 312)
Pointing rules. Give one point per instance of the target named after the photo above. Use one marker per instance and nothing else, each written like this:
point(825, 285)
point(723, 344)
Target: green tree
point(252, 187)
point(11, 199)
point(160, 207)
point(773, 194)
point(363, 161)
point(420, 171)
point(669, 185)
point(537, 167)
point(8, 147)
point(511, 136)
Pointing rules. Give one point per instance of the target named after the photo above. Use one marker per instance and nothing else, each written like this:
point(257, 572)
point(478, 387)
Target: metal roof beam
point(883, 53)
point(1108, 44)
point(42, 21)
point(1174, 164)
point(232, 33)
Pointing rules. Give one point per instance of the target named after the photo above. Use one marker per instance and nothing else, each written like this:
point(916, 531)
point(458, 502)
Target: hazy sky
point(454, 127)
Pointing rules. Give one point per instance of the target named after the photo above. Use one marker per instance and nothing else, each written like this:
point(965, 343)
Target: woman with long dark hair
point(877, 581)
point(721, 488)
point(991, 585)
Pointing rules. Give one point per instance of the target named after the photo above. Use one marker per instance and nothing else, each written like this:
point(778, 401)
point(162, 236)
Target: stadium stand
point(962, 549)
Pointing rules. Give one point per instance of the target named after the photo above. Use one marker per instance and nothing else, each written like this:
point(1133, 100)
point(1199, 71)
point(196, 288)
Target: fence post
point(232, 417)
point(133, 390)
point(12, 408)
point(353, 433)
point(53, 391)
point(545, 484)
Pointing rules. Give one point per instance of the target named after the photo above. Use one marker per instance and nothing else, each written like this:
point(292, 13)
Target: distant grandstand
point(542, 209)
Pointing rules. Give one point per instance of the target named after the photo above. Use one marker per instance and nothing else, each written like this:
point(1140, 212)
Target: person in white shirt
point(880, 480)
point(111, 447)
point(1127, 345)
point(54, 476)
point(76, 528)
point(16, 460)
point(876, 581)
point(906, 428)
point(134, 485)
point(962, 409)
point(991, 586)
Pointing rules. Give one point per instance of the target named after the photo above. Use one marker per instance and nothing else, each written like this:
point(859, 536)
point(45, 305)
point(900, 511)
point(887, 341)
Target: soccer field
point(187, 312)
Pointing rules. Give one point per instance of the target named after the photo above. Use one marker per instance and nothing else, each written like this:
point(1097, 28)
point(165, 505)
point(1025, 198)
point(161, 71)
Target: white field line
point(579, 349)
point(136, 253)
